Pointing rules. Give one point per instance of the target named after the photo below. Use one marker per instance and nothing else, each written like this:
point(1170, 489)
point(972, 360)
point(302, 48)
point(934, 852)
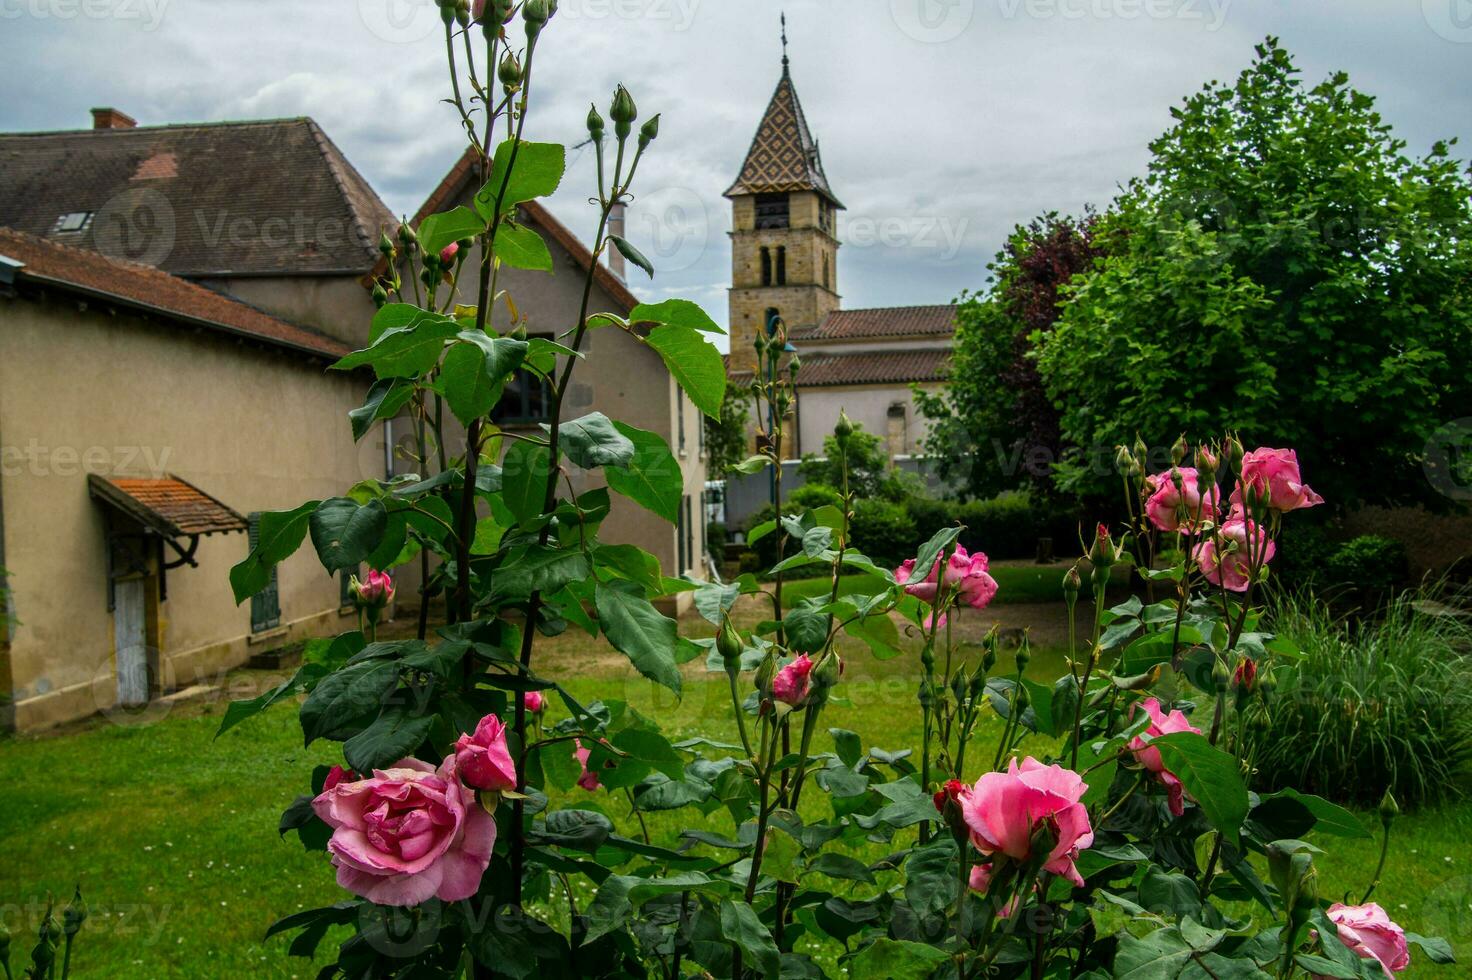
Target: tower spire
point(784, 42)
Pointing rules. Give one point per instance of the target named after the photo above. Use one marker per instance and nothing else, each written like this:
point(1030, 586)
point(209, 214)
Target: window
point(73, 221)
point(772, 211)
point(766, 266)
point(680, 416)
point(827, 280)
point(772, 316)
point(265, 605)
point(685, 534)
point(680, 521)
point(527, 398)
point(825, 215)
point(781, 265)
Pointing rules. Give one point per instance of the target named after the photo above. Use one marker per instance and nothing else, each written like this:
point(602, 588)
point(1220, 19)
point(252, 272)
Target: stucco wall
point(86, 391)
point(338, 306)
point(866, 405)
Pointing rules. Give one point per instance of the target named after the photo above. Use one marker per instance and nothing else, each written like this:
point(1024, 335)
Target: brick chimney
point(109, 118)
point(616, 227)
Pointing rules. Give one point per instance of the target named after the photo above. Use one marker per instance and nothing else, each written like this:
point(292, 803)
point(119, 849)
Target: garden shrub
point(1006, 526)
point(1372, 705)
point(882, 530)
point(715, 539)
point(811, 496)
point(1368, 562)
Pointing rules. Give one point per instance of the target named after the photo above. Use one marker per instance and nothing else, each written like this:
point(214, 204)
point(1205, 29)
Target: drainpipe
point(7, 607)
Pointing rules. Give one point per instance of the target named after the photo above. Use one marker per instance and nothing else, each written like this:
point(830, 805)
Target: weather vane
point(784, 39)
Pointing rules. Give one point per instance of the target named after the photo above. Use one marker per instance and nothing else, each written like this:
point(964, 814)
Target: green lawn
point(1017, 582)
point(172, 834)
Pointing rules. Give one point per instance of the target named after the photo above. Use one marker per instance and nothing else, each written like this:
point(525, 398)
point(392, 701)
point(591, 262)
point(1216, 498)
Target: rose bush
point(486, 802)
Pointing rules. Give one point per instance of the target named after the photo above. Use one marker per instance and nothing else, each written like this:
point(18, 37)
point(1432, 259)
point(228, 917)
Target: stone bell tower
point(784, 249)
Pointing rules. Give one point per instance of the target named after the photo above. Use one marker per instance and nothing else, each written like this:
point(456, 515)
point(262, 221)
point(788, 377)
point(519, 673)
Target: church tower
point(784, 249)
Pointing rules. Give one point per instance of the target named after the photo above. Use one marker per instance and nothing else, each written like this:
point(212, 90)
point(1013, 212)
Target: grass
point(172, 833)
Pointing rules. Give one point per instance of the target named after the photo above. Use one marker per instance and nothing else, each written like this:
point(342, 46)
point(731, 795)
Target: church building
point(784, 265)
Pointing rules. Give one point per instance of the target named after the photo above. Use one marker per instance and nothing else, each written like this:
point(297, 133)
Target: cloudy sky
point(942, 122)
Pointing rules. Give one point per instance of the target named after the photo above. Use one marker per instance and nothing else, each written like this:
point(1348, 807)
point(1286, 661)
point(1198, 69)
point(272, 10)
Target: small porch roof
point(170, 506)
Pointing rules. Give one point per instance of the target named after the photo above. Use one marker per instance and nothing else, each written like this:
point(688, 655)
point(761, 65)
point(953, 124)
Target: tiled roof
point(169, 506)
point(783, 155)
point(898, 321)
point(130, 284)
point(466, 175)
point(271, 197)
point(866, 368)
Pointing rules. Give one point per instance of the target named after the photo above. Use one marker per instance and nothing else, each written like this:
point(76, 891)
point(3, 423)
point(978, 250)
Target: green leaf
point(439, 230)
point(524, 480)
point(592, 441)
point(345, 532)
point(394, 734)
point(279, 534)
point(842, 866)
point(520, 247)
point(1159, 955)
point(632, 254)
point(743, 929)
point(385, 398)
point(749, 466)
point(639, 631)
point(393, 316)
point(653, 478)
point(536, 172)
point(1437, 950)
point(695, 363)
point(404, 352)
point(896, 959)
point(930, 876)
point(469, 390)
point(1210, 776)
point(675, 313)
point(346, 697)
point(540, 568)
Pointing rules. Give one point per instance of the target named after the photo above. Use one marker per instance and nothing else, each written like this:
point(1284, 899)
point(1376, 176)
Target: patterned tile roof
point(783, 155)
point(897, 321)
point(170, 506)
point(271, 197)
point(866, 368)
point(26, 258)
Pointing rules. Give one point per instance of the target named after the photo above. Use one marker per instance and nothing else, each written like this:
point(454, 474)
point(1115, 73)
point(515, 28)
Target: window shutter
point(265, 605)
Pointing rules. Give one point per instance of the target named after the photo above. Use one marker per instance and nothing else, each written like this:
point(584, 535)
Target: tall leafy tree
point(1285, 267)
point(994, 427)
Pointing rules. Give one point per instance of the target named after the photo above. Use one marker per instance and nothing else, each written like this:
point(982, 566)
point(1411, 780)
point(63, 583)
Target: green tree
point(726, 439)
point(1287, 268)
point(867, 459)
point(994, 428)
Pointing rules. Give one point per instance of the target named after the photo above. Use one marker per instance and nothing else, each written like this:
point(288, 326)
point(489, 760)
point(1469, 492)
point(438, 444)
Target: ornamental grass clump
point(1373, 703)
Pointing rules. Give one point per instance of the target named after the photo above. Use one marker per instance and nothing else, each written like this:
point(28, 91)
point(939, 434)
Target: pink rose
point(408, 834)
point(337, 774)
point(477, 10)
point(483, 758)
point(966, 575)
point(1368, 931)
point(1004, 809)
point(1148, 755)
point(589, 779)
point(447, 254)
point(981, 883)
point(790, 686)
point(1275, 472)
point(1229, 561)
point(375, 591)
point(1171, 509)
point(534, 701)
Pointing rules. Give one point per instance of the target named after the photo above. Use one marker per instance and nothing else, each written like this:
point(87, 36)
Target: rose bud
point(790, 686)
point(74, 914)
point(1072, 583)
point(483, 759)
point(728, 645)
point(380, 295)
point(385, 245)
point(509, 71)
point(1178, 450)
point(535, 13)
point(406, 234)
point(534, 701)
point(375, 591)
point(447, 254)
point(595, 123)
point(1389, 809)
point(1244, 678)
point(623, 111)
point(649, 132)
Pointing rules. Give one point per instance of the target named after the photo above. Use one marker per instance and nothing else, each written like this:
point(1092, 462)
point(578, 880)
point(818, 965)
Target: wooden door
point(129, 644)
